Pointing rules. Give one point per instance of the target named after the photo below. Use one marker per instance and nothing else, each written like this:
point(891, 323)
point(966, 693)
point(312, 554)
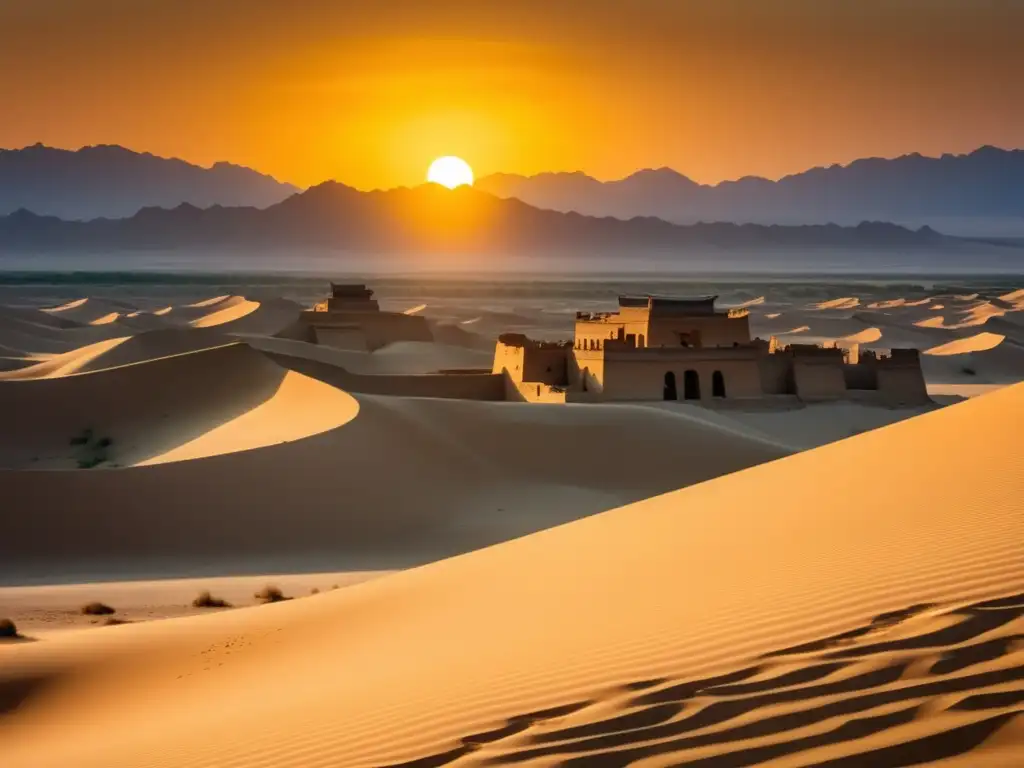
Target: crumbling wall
point(819, 379)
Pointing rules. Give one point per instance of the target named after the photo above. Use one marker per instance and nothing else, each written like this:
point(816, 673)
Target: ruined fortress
point(667, 348)
point(352, 319)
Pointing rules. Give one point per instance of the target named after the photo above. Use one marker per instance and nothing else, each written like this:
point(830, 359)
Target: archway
point(717, 384)
point(691, 385)
point(669, 392)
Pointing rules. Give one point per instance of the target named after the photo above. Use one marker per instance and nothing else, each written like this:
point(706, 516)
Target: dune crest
point(977, 343)
point(846, 302)
point(867, 336)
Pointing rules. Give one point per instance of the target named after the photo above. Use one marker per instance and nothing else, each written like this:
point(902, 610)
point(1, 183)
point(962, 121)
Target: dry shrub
point(114, 621)
point(315, 591)
point(206, 600)
point(97, 609)
point(7, 629)
point(270, 594)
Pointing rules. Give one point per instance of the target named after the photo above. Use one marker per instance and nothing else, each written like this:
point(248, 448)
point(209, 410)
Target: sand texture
point(842, 606)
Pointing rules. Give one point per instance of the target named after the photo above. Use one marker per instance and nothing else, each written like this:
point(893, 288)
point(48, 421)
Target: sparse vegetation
point(315, 591)
point(114, 621)
point(8, 630)
point(205, 600)
point(270, 594)
point(97, 609)
point(94, 451)
point(83, 438)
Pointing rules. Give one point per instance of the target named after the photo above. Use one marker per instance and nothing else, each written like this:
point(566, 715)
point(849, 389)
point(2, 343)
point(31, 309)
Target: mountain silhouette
point(427, 219)
point(981, 191)
point(114, 182)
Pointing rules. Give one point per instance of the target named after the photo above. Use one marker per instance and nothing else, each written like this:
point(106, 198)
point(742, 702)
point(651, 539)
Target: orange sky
point(369, 92)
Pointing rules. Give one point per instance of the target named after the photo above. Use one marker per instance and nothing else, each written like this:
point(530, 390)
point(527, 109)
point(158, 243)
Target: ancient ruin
point(671, 348)
point(352, 319)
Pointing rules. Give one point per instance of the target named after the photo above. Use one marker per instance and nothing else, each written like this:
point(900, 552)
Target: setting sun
point(450, 172)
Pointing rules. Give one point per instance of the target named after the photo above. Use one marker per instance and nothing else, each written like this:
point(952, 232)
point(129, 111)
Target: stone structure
point(661, 348)
point(351, 319)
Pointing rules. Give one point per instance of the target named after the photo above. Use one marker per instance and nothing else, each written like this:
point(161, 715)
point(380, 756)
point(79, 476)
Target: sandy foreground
point(759, 594)
point(765, 616)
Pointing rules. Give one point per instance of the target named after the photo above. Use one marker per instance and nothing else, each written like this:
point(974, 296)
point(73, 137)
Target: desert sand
point(856, 604)
point(819, 582)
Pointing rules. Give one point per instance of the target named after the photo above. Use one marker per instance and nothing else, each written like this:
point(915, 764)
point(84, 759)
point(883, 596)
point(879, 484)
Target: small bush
point(82, 438)
point(113, 622)
point(270, 594)
point(8, 629)
point(104, 442)
point(206, 600)
point(315, 591)
point(969, 371)
point(97, 609)
point(90, 462)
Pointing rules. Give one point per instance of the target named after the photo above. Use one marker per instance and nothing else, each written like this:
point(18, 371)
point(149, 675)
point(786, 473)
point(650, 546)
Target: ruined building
point(662, 348)
point(351, 319)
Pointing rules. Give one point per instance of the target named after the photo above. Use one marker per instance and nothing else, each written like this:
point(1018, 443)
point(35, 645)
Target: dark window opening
point(691, 385)
point(717, 384)
point(669, 392)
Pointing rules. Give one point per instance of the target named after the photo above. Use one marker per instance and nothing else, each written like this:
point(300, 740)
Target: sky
point(368, 93)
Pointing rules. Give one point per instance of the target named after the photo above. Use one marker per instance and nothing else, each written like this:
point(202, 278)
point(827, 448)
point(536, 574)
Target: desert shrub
point(114, 621)
point(315, 591)
point(270, 594)
point(7, 628)
point(97, 609)
point(90, 461)
point(205, 600)
point(82, 438)
point(104, 442)
point(969, 371)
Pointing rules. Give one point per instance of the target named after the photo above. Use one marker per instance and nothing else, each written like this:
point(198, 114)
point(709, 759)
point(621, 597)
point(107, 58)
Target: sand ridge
point(223, 398)
point(757, 617)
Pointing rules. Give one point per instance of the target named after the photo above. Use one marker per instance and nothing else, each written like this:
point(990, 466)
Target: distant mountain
point(978, 193)
point(427, 219)
point(114, 182)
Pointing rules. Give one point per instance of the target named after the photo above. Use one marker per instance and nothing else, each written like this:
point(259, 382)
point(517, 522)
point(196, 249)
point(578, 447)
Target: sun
point(450, 172)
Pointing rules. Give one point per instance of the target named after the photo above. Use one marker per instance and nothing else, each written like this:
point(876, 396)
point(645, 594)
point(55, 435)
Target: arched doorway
point(669, 392)
point(691, 385)
point(717, 384)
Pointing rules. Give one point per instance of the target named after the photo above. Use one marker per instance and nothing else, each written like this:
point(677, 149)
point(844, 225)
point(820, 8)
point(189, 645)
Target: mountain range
point(972, 194)
point(428, 219)
point(114, 182)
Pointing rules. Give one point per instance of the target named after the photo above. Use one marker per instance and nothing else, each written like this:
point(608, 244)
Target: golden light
point(450, 172)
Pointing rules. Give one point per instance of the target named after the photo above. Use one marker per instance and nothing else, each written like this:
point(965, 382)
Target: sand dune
point(122, 350)
point(978, 343)
point(225, 314)
point(406, 479)
point(409, 357)
point(218, 400)
point(750, 303)
point(867, 336)
point(89, 311)
point(760, 618)
point(887, 304)
point(846, 302)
